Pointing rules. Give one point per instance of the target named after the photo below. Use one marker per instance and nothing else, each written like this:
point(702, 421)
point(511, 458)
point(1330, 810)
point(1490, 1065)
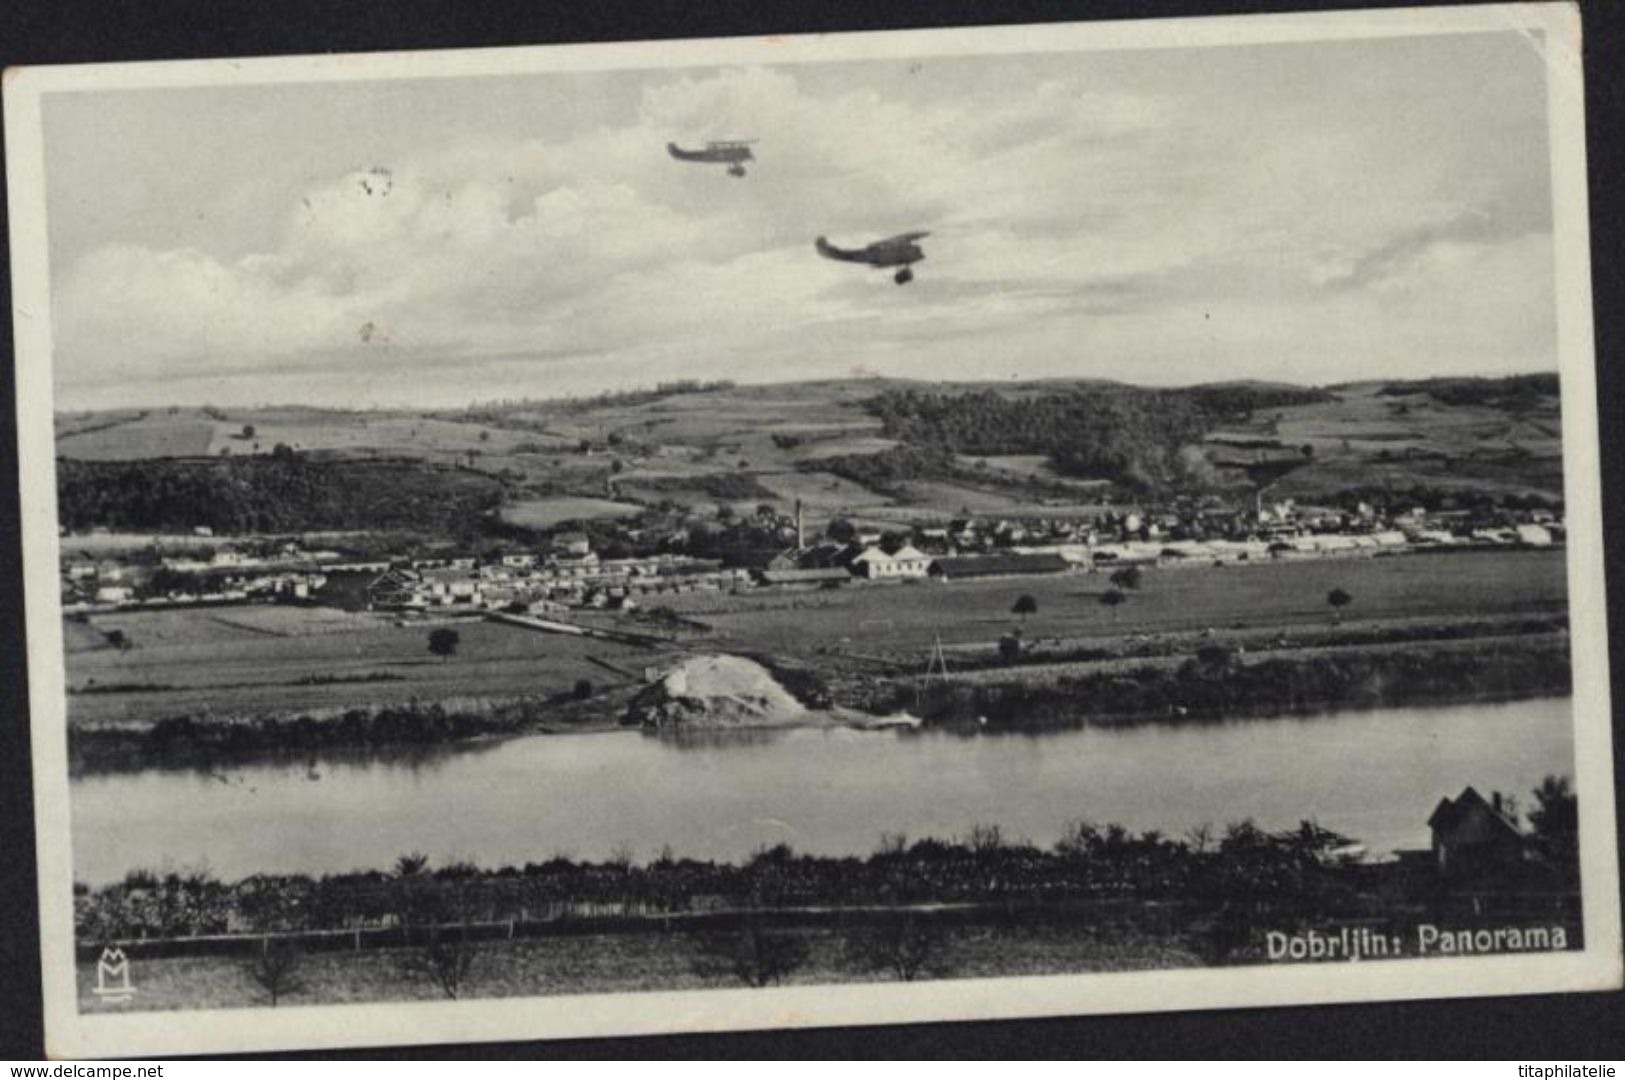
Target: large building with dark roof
point(958, 567)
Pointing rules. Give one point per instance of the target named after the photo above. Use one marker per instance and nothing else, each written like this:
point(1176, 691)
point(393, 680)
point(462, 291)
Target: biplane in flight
point(901, 251)
point(730, 152)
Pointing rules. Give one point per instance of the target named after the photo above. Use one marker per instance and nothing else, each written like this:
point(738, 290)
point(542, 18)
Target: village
point(564, 571)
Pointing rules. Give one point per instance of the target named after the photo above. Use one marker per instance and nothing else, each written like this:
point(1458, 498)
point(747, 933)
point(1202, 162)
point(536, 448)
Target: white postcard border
point(72, 1034)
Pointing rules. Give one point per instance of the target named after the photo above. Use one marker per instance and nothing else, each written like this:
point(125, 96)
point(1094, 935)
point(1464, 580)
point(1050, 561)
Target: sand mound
point(716, 691)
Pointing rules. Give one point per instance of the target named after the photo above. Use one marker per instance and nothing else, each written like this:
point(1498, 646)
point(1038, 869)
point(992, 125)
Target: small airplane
point(730, 152)
point(901, 251)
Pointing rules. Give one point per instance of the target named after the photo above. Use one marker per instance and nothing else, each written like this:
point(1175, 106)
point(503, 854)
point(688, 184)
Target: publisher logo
point(113, 977)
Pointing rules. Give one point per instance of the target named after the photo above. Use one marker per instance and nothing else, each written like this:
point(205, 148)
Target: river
point(1373, 775)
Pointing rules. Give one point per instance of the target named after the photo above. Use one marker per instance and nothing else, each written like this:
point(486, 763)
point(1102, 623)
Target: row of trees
point(903, 945)
point(189, 738)
point(1408, 673)
point(1089, 862)
point(1225, 881)
point(1511, 392)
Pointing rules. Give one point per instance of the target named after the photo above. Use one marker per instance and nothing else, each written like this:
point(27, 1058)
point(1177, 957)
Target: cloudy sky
point(1308, 212)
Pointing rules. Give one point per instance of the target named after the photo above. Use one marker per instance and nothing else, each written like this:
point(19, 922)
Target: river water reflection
point(1373, 775)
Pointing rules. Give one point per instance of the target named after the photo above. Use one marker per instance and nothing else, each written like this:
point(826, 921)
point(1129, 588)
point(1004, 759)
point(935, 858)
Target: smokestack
point(800, 542)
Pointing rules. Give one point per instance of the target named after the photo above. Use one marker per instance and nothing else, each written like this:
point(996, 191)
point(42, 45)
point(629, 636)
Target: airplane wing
point(905, 238)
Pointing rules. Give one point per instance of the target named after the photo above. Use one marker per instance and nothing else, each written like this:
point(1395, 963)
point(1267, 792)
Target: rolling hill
point(888, 451)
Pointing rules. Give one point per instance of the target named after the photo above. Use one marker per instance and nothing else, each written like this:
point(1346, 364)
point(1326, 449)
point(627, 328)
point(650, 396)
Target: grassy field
point(156, 436)
point(822, 492)
point(626, 962)
point(251, 660)
point(549, 512)
point(1026, 467)
point(907, 619)
point(835, 447)
point(219, 625)
point(248, 660)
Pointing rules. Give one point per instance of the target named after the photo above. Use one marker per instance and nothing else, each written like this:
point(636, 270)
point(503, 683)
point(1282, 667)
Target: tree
point(1026, 604)
point(903, 944)
point(582, 689)
point(985, 841)
point(756, 955)
point(411, 865)
point(1113, 597)
point(275, 968)
point(1127, 577)
point(1555, 820)
point(447, 959)
point(248, 431)
point(1338, 599)
point(443, 642)
point(1010, 648)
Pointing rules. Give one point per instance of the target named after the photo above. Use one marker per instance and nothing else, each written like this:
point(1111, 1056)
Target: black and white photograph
point(768, 532)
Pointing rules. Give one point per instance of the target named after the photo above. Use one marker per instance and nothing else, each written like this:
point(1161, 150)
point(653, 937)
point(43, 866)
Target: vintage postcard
point(765, 532)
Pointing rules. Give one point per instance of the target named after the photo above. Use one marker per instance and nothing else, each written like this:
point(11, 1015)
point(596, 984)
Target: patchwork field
point(1366, 437)
point(196, 432)
point(249, 660)
point(1362, 438)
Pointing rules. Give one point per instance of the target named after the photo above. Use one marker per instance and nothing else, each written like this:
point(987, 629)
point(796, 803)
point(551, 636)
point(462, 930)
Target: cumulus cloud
point(1067, 220)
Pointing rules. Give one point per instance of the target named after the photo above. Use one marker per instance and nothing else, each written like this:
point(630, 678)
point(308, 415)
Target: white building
point(906, 562)
point(1534, 535)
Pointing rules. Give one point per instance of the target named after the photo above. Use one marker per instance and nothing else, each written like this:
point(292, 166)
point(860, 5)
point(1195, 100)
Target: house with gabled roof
point(876, 563)
point(1472, 834)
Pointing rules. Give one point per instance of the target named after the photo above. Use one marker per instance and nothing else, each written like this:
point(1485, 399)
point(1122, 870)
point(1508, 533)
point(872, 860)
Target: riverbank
point(1221, 684)
point(1102, 899)
point(1215, 683)
point(1311, 867)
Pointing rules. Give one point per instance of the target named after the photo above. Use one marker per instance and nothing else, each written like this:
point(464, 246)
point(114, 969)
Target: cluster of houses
point(227, 575)
point(570, 574)
point(975, 548)
point(1223, 525)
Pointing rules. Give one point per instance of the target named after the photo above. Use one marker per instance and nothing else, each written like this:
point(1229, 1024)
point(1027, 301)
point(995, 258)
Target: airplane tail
point(830, 251)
